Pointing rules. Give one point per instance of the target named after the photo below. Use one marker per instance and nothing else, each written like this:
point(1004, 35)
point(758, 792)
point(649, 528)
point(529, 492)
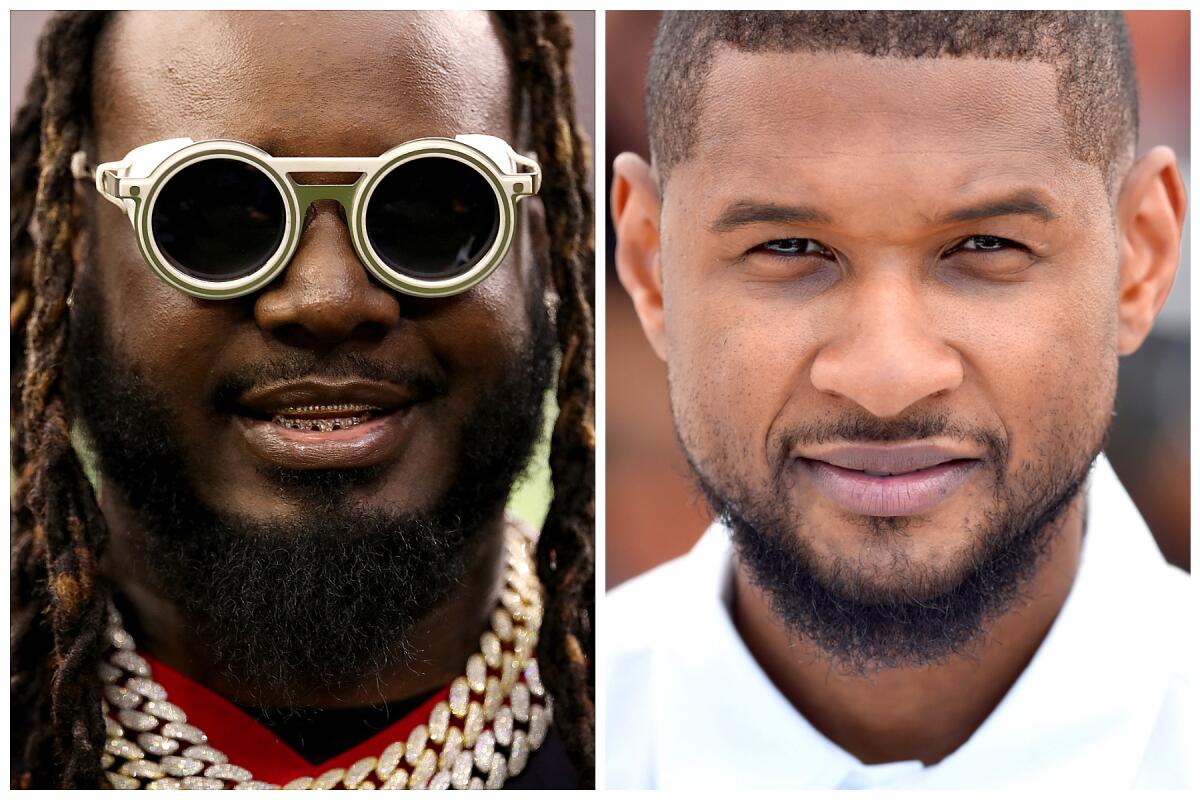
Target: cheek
point(173, 338)
point(735, 357)
point(482, 326)
point(1044, 357)
point(501, 296)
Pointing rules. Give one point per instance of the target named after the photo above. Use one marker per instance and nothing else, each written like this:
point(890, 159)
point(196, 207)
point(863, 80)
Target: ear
point(1150, 213)
point(635, 213)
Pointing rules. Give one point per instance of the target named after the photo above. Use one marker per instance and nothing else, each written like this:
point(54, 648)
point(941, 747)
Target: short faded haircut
point(1090, 52)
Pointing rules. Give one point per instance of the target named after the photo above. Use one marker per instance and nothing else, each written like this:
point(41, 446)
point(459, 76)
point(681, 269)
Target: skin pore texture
point(894, 251)
point(477, 363)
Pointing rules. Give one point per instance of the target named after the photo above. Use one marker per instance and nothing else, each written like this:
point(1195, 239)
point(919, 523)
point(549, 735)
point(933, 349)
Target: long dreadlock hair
point(59, 598)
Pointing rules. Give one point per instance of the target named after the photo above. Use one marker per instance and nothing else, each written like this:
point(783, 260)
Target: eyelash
point(824, 252)
point(1000, 240)
point(997, 243)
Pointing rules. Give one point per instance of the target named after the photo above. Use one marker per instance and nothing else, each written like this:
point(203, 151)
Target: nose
point(325, 296)
point(888, 355)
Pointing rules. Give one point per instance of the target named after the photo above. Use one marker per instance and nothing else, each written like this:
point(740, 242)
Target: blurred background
point(532, 498)
point(654, 512)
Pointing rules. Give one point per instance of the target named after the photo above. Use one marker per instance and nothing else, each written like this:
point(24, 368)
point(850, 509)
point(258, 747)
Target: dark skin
point(356, 84)
point(873, 292)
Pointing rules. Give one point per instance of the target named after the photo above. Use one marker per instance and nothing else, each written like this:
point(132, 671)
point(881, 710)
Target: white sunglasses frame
point(135, 182)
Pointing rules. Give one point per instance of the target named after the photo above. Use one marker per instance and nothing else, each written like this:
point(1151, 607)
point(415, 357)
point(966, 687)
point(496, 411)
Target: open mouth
point(325, 418)
point(317, 407)
point(316, 424)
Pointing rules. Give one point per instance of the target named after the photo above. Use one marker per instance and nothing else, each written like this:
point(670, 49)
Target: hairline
point(712, 46)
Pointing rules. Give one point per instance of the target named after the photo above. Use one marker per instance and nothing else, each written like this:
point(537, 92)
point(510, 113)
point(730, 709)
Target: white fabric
point(1105, 703)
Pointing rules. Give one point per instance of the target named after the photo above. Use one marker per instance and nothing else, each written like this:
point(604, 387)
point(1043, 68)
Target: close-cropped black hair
point(60, 598)
point(1089, 50)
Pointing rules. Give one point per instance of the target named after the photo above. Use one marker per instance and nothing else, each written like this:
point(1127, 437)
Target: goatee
point(860, 624)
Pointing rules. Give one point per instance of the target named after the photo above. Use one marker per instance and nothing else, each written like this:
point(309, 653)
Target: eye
point(795, 247)
point(987, 256)
point(985, 244)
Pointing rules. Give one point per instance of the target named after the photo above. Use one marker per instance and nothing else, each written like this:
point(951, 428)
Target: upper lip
point(280, 397)
point(893, 458)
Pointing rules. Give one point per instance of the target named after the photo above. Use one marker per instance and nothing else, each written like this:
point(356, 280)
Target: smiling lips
point(888, 480)
point(319, 425)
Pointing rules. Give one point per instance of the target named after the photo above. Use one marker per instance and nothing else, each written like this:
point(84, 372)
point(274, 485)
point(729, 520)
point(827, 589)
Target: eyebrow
point(744, 213)
point(1024, 203)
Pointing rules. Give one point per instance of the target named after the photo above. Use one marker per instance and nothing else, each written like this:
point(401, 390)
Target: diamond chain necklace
point(496, 715)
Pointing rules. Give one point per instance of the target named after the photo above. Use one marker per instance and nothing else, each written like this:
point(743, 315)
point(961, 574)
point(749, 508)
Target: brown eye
point(989, 257)
point(986, 244)
point(795, 247)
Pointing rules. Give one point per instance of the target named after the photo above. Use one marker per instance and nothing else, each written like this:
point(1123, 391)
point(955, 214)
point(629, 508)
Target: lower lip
point(363, 445)
point(891, 495)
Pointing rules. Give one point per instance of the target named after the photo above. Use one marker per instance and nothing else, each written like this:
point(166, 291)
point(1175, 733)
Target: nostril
point(369, 331)
point(309, 338)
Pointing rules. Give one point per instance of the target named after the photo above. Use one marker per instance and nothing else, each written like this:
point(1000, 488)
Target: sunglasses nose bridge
point(323, 295)
point(342, 194)
point(307, 194)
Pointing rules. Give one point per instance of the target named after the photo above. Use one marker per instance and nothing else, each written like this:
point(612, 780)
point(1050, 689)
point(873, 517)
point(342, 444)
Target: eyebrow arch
point(1024, 203)
point(747, 212)
point(744, 213)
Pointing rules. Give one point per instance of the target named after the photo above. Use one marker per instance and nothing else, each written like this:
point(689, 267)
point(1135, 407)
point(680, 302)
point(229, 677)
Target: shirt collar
point(1089, 698)
point(1079, 693)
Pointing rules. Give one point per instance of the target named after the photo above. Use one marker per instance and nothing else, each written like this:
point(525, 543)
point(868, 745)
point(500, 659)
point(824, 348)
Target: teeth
point(324, 425)
point(336, 417)
point(330, 409)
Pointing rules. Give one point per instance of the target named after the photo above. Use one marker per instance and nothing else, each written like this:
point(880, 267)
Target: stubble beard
point(861, 620)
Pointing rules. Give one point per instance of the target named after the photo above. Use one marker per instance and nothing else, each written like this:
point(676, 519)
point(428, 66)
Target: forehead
point(300, 83)
point(871, 124)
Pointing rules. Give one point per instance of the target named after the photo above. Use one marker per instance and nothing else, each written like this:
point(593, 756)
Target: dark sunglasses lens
point(432, 218)
point(218, 219)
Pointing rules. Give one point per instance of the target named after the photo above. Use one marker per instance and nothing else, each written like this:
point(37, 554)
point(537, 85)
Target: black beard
point(861, 627)
point(327, 600)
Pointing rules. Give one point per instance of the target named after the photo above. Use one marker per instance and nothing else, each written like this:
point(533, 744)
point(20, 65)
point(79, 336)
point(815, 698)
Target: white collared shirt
point(1104, 704)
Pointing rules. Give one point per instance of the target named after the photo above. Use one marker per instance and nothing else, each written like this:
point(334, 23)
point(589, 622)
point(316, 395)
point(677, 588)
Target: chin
point(896, 568)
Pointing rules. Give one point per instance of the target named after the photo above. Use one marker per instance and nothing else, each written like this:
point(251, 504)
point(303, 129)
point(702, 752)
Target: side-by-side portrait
point(706, 402)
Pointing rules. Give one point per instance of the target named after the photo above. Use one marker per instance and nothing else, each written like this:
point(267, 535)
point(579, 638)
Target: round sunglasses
point(220, 218)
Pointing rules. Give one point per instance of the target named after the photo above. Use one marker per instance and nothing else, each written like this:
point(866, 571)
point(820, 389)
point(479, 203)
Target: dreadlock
point(542, 44)
point(59, 599)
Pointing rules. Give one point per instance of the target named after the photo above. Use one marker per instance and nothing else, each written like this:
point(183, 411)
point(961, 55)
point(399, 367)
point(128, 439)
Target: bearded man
point(890, 260)
point(302, 352)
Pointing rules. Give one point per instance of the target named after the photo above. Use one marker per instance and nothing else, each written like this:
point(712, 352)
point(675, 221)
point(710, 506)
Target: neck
point(921, 713)
point(441, 640)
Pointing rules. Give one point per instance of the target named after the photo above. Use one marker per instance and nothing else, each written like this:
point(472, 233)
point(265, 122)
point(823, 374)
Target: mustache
point(865, 428)
point(300, 365)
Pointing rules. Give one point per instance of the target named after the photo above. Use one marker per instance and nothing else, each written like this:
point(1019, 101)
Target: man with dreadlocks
point(265, 428)
point(891, 259)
